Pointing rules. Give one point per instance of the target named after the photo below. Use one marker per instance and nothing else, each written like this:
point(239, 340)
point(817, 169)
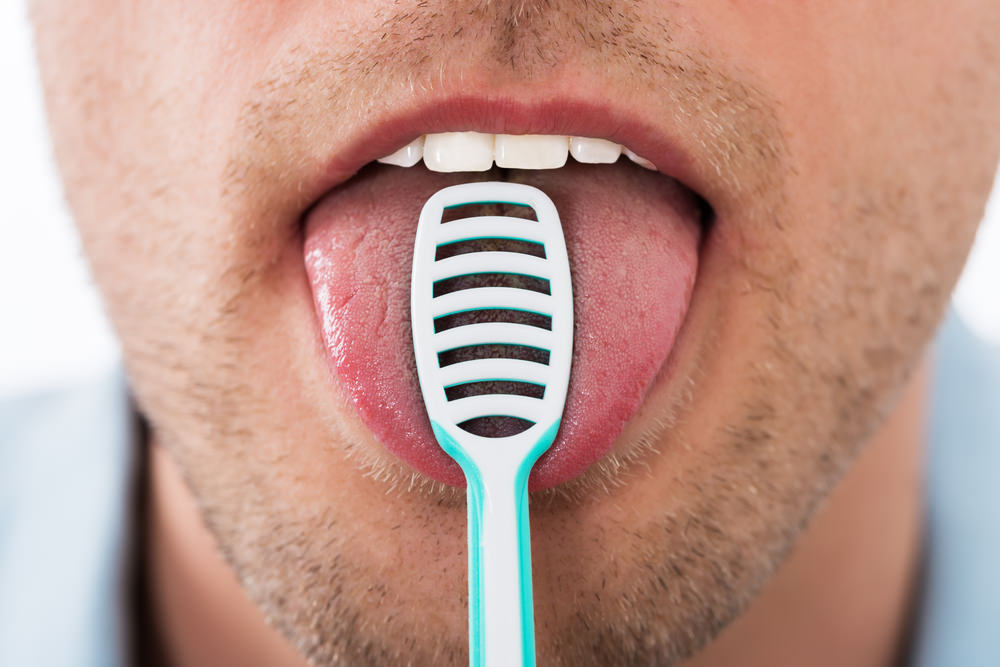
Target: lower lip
point(632, 238)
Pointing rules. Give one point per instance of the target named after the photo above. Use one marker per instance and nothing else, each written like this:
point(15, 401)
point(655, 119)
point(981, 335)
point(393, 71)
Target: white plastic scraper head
point(492, 314)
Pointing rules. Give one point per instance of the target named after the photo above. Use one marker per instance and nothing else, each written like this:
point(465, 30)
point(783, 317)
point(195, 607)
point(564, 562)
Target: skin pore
point(846, 152)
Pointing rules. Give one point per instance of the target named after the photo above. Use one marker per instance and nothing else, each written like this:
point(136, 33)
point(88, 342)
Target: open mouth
point(633, 236)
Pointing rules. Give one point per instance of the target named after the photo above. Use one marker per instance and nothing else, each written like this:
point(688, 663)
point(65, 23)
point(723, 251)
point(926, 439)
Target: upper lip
point(573, 116)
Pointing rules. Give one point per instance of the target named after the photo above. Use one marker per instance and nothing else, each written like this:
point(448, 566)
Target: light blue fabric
point(65, 462)
point(960, 624)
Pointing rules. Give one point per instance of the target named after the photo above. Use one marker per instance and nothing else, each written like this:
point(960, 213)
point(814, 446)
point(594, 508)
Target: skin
point(847, 151)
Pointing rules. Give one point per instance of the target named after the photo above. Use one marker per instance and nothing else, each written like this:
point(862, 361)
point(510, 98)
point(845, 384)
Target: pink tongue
point(632, 237)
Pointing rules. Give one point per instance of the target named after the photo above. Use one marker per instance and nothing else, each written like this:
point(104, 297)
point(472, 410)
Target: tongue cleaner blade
point(501, 615)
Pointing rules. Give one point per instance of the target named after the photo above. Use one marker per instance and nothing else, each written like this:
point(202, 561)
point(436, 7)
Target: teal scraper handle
point(501, 608)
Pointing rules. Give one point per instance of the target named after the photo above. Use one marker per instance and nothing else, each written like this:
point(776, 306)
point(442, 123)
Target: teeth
point(458, 151)
point(594, 151)
point(530, 151)
point(407, 156)
point(476, 151)
point(638, 159)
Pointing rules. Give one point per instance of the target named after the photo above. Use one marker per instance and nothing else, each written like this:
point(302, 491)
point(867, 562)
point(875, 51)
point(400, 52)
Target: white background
point(52, 330)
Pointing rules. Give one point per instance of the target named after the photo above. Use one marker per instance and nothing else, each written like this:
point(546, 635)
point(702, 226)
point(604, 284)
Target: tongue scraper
point(501, 616)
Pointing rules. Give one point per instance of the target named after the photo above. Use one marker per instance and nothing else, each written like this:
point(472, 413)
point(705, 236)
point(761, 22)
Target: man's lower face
point(745, 314)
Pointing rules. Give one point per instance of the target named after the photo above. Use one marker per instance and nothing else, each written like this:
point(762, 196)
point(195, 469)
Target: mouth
point(633, 234)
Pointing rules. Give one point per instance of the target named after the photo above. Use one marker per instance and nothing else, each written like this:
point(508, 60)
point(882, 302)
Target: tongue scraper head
point(501, 626)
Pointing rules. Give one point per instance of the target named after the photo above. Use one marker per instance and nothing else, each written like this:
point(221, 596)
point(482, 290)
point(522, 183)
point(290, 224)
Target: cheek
point(890, 158)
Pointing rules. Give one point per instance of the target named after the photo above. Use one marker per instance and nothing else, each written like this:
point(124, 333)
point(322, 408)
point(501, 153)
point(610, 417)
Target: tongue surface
point(632, 238)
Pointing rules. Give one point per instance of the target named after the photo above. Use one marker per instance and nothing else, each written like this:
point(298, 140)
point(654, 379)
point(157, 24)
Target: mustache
point(346, 72)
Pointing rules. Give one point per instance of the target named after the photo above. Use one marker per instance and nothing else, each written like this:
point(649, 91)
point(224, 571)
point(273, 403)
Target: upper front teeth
point(595, 151)
point(530, 151)
point(408, 155)
point(458, 151)
point(638, 159)
point(476, 151)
